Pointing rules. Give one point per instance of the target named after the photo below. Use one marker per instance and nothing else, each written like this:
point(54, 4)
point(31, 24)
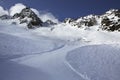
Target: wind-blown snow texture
point(63, 51)
point(96, 62)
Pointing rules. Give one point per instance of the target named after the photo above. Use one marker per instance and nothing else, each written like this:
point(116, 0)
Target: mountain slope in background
point(109, 21)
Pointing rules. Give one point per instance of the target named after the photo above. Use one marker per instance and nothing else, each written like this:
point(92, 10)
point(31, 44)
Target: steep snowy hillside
point(35, 46)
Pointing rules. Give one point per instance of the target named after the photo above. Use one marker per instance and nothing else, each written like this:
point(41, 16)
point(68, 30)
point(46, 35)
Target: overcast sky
point(67, 8)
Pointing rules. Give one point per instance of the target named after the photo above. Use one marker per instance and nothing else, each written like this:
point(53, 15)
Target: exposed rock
point(29, 17)
point(111, 20)
point(17, 15)
point(88, 21)
point(49, 23)
point(68, 20)
point(83, 21)
point(4, 17)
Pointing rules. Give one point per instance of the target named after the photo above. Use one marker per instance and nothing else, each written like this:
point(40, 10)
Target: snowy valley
point(36, 46)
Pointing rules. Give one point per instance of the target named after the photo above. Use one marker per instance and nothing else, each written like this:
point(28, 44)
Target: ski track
point(52, 63)
point(84, 76)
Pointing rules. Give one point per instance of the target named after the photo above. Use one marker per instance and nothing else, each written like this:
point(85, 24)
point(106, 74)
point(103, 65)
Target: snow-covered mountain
point(27, 16)
point(87, 48)
point(109, 21)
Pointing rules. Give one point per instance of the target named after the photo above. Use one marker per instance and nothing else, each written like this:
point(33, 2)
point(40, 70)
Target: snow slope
point(96, 62)
point(15, 41)
point(70, 33)
point(52, 63)
point(52, 53)
point(10, 70)
point(61, 51)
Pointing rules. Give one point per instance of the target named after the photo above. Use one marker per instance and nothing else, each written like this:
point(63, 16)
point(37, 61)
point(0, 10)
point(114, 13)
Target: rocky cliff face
point(88, 21)
point(29, 17)
point(109, 21)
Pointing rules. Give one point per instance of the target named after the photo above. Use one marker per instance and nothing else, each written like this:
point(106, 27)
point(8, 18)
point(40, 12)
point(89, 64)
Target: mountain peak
point(109, 21)
point(29, 17)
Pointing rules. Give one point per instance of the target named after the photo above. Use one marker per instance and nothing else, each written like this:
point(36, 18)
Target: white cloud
point(44, 16)
point(17, 8)
point(48, 16)
point(35, 11)
point(3, 12)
